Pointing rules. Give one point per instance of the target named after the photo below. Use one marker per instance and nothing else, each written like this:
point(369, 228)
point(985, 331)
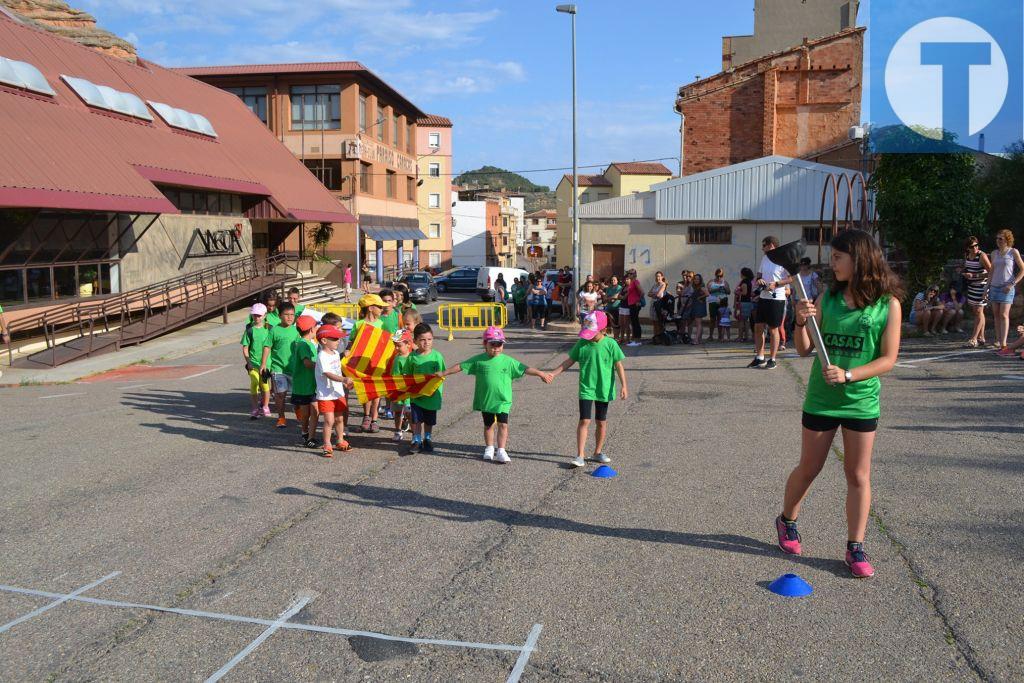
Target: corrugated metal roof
point(769, 189)
point(60, 153)
point(636, 205)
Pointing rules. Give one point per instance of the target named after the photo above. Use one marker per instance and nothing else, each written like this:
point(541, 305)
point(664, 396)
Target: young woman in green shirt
point(859, 317)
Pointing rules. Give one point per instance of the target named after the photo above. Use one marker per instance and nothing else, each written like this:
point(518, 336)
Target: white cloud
point(467, 77)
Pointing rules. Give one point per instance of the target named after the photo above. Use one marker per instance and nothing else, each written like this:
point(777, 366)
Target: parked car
point(421, 287)
point(457, 279)
point(487, 276)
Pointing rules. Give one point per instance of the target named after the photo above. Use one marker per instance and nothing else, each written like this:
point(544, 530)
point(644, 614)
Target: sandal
point(327, 452)
point(971, 344)
point(374, 427)
point(343, 446)
point(365, 426)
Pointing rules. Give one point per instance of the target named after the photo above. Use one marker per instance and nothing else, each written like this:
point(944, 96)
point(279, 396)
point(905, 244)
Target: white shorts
point(282, 383)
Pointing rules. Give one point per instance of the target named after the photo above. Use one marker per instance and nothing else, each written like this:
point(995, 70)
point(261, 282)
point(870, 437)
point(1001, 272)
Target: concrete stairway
point(315, 289)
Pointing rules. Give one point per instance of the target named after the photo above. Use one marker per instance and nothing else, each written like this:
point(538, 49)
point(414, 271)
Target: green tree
point(320, 235)
point(1002, 185)
point(927, 204)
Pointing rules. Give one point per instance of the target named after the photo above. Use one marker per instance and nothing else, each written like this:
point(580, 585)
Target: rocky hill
point(58, 17)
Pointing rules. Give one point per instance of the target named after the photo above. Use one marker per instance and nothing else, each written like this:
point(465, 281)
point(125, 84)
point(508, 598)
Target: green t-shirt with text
point(280, 341)
point(494, 376)
point(597, 361)
point(426, 364)
point(255, 338)
point(303, 378)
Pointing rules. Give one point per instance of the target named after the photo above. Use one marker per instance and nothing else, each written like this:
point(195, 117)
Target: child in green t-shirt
point(390, 320)
point(403, 347)
point(304, 350)
point(424, 361)
point(370, 308)
point(492, 395)
point(277, 352)
point(253, 339)
point(600, 360)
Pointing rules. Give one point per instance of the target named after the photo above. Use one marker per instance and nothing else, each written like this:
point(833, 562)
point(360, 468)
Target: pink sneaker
point(1006, 352)
point(859, 562)
point(266, 411)
point(789, 537)
point(255, 413)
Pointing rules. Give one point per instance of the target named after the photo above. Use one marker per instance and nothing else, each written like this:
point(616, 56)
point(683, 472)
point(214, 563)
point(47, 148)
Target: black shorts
point(489, 418)
point(823, 423)
point(539, 311)
point(423, 416)
point(771, 312)
point(301, 400)
point(587, 409)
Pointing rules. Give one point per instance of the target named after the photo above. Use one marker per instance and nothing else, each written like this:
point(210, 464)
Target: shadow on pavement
point(462, 511)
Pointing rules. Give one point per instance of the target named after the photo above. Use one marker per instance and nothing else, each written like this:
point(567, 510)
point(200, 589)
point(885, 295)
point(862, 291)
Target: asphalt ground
point(660, 573)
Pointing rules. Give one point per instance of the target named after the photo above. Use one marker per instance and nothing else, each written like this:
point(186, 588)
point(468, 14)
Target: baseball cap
point(329, 332)
point(402, 335)
point(593, 323)
point(494, 334)
point(305, 322)
point(258, 309)
point(313, 313)
point(347, 324)
point(370, 300)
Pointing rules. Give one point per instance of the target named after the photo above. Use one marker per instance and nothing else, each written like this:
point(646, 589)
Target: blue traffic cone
point(790, 586)
point(604, 472)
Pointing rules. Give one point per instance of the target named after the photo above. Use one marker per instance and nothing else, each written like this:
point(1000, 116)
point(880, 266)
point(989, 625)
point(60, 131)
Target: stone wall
point(160, 254)
point(58, 17)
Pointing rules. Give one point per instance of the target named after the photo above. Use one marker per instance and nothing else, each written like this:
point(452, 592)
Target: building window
point(434, 259)
point(364, 178)
point(434, 170)
point(504, 221)
point(316, 107)
point(363, 112)
point(409, 138)
point(394, 130)
point(327, 171)
point(434, 201)
point(410, 188)
point(434, 140)
point(389, 184)
point(381, 123)
point(710, 234)
point(811, 234)
point(535, 237)
point(434, 232)
point(603, 195)
point(254, 98)
point(371, 258)
point(210, 203)
point(494, 221)
point(536, 221)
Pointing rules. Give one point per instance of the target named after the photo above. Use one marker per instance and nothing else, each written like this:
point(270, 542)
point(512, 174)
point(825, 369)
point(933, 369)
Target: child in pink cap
point(600, 360)
point(492, 396)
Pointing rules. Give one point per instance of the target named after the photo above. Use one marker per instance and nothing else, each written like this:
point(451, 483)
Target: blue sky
point(498, 69)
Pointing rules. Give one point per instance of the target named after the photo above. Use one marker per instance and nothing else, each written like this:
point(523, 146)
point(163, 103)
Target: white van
point(487, 276)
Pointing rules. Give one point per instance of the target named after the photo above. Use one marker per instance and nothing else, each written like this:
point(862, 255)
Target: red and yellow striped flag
point(369, 363)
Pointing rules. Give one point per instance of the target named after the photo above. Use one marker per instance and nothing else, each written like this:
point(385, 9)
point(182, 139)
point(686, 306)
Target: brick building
point(791, 103)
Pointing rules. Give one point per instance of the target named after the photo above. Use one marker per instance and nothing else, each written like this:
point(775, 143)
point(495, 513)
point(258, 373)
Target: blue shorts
point(996, 295)
point(423, 416)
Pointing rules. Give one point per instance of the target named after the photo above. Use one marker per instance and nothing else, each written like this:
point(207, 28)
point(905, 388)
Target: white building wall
point(469, 232)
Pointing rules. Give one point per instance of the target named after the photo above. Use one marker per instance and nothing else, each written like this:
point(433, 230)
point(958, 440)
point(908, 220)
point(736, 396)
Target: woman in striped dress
point(977, 266)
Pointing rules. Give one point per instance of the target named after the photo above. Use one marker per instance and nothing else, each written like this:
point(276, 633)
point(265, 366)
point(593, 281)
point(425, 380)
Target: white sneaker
point(602, 458)
point(489, 453)
point(578, 462)
point(633, 343)
point(397, 436)
point(502, 456)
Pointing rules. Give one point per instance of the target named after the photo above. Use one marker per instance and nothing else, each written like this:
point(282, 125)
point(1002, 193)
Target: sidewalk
point(174, 345)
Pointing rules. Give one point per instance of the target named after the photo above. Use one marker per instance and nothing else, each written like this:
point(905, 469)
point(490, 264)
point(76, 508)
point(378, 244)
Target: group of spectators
point(984, 281)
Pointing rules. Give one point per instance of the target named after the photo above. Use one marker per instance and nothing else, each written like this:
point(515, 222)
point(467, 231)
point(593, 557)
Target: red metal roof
point(641, 168)
point(433, 120)
point(211, 74)
point(590, 180)
point(60, 153)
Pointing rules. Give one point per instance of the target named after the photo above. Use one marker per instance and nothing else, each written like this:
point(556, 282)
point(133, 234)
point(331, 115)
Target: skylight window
point(24, 75)
point(185, 120)
point(105, 97)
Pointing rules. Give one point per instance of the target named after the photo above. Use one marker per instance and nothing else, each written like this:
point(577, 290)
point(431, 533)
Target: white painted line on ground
point(206, 372)
point(528, 648)
point(910, 362)
point(299, 603)
point(1018, 377)
point(263, 622)
point(77, 393)
point(61, 599)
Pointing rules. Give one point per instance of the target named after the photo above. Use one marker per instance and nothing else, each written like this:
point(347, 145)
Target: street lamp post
point(571, 10)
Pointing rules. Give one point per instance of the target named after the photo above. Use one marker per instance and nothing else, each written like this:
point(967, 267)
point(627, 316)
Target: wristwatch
point(849, 376)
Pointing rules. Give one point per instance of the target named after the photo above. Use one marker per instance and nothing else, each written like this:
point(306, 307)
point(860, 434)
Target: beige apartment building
point(354, 132)
point(434, 156)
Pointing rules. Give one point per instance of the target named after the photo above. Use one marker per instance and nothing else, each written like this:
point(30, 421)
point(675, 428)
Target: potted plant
point(86, 281)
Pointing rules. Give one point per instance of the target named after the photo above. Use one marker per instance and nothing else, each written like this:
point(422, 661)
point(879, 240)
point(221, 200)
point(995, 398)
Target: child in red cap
point(304, 353)
point(600, 360)
point(492, 396)
point(330, 388)
point(403, 347)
